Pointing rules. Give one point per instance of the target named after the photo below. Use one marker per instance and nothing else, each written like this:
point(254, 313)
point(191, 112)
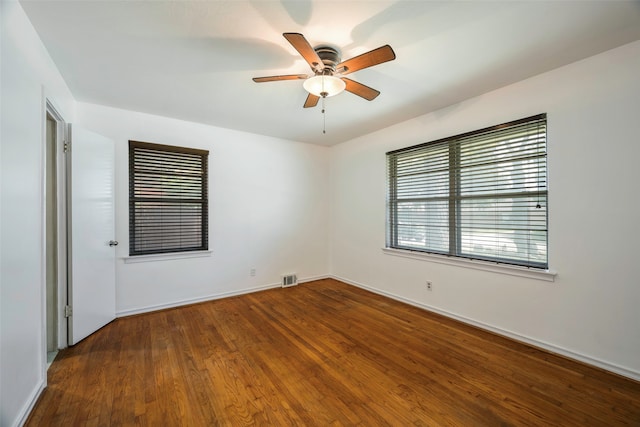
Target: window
point(168, 205)
point(480, 195)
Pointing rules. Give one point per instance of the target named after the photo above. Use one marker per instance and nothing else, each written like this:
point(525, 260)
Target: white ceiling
point(194, 60)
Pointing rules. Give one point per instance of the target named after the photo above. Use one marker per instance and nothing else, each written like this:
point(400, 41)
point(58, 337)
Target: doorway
point(55, 240)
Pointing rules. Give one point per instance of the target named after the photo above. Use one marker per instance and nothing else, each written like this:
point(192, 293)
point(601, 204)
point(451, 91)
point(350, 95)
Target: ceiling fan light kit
point(324, 86)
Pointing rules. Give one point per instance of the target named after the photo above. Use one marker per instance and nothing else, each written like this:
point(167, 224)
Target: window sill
point(165, 257)
point(531, 273)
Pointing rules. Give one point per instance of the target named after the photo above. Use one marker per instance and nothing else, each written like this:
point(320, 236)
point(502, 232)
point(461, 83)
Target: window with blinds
point(481, 195)
point(168, 203)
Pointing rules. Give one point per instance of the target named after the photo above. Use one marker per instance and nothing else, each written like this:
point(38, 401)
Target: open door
point(92, 293)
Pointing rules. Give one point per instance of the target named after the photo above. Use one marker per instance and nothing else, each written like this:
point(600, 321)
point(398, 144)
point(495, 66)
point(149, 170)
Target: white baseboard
point(157, 307)
point(211, 297)
point(314, 278)
point(24, 413)
point(620, 370)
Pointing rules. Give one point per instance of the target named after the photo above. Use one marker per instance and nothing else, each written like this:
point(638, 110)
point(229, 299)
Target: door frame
point(60, 139)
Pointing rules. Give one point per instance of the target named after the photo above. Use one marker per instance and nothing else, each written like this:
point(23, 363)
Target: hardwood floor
point(322, 353)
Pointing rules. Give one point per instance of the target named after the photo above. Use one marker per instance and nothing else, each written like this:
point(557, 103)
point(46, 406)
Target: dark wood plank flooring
point(320, 354)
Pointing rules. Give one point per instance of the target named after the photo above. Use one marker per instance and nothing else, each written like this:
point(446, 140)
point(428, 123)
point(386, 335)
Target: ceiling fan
point(329, 71)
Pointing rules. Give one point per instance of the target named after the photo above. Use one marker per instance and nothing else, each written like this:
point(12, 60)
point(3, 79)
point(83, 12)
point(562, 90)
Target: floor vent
point(289, 280)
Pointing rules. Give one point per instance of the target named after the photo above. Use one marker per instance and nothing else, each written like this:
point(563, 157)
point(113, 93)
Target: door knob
point(113, 243)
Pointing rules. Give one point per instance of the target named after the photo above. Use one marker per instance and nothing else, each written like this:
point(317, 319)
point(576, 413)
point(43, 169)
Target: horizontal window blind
point(480, 195)
point(168, 203)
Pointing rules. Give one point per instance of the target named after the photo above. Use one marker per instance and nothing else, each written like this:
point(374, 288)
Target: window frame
point(202, 200)
point(454, 145)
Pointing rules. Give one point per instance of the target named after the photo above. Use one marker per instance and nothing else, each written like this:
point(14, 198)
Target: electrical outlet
point(429, 286)
point(252, 272)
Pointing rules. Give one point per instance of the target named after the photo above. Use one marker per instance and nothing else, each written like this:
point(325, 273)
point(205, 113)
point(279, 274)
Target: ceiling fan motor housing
point(330, 57)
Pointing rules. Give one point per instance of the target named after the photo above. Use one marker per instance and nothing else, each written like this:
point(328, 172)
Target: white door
point(92, 230)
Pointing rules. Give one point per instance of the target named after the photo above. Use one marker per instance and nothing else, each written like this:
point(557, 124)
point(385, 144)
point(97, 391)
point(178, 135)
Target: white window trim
point(165, 256)
point(513, 270)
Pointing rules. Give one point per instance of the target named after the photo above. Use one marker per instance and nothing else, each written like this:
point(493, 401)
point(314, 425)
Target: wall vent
point(289, 280)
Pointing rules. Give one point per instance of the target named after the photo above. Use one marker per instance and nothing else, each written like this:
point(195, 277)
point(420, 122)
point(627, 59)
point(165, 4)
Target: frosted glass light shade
point(316, 85)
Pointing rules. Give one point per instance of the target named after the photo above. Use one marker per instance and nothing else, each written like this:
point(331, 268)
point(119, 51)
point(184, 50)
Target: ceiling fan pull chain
point(324, 117)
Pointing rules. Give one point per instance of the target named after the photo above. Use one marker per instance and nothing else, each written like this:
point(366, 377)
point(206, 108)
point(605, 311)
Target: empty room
point(317, 212)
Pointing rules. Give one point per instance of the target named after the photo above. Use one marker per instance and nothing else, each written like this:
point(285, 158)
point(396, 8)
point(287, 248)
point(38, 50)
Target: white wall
point(268, 211)
point(27, 75)
point(591, 310)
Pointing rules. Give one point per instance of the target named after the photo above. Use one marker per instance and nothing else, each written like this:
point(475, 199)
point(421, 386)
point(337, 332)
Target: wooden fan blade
point(303, 47)
point(369, 59)
point(361, 90)
point(312, 101)
point(278, 78)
